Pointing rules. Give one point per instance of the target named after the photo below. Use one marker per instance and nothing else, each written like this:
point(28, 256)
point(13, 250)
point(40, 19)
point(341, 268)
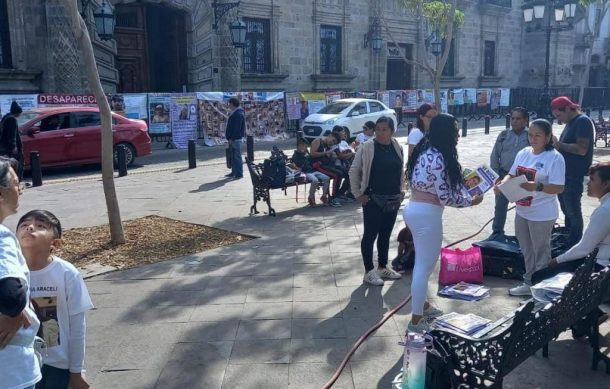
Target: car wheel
point(130, 154)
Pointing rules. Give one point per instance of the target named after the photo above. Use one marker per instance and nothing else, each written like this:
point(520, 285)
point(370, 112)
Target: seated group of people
point(329, 158)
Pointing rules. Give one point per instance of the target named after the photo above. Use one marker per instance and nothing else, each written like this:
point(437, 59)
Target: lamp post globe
point(104, 21)
point(436, 47)
point(238, 33)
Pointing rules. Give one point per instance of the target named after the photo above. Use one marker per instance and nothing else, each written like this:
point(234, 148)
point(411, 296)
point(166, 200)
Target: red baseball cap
point(563, 102)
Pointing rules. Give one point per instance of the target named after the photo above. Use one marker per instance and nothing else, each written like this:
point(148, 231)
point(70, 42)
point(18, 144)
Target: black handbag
point(387, 203)
point(229, 156)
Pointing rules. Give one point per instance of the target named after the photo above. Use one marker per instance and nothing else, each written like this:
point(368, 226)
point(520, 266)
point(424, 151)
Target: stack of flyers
point(465, 291)
point(545, 291)
point(465, 324)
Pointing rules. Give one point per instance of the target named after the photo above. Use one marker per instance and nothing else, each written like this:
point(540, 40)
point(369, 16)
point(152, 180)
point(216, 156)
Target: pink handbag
point(461, 265)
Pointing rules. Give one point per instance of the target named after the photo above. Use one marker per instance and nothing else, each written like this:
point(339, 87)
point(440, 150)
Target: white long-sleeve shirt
point(597, 234)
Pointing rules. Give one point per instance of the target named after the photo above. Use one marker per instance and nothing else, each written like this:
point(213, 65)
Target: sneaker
point(420, 327)
point(373, 278)
point(521, 290)
point(312, 201)
point(385, 272)
point(432, 312)
point(334, 203)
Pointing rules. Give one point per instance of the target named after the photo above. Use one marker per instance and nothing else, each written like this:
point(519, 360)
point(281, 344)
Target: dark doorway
point(398, 71)
point(151, 48)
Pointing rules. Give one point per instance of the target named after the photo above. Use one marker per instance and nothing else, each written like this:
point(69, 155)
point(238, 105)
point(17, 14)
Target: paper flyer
point(159, 106)
point(479, 180)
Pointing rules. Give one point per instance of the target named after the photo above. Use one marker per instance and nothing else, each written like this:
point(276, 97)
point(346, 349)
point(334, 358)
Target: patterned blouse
point(430, 176)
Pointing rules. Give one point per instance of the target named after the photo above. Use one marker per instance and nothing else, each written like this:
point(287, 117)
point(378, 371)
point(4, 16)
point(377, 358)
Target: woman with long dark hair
point(436, 180)
point(377, 181)
point(544, 168)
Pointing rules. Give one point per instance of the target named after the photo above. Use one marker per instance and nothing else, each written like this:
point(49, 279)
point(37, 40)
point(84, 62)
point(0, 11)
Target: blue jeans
point(53, 378)
point(569, 201)
point(237, 165)
point(500, 214)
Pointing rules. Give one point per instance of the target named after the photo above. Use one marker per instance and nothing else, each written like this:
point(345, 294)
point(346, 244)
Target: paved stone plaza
point(279, 311)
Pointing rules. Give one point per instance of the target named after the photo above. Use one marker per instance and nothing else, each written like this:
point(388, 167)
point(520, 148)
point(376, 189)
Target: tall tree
point(81, 34)
point(440, 17)
point(598, 10)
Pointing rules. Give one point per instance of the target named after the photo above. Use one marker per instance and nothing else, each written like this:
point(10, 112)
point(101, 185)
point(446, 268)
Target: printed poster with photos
point(483, 97)
point(384, 97)
point(183, 115)
point(458, 96)
point(396, 99)
point(411, 100)
point(504, 97)
point(470, 94)
point(159, 105)
point(26, 102)
point(293, 105)
point(130, 105)
point(444, 101)
point(265, 117)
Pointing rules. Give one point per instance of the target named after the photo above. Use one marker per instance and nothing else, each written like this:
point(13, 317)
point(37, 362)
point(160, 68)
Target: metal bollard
point(35, 169)
point(121, 161)
point(192, 154)
point(299, 136)
point(487, 122)
point(250, 147)
point(464, 127)
point(507, 121)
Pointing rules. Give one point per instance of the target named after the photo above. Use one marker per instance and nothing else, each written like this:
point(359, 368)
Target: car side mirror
point(355, 113)
point(32, 131)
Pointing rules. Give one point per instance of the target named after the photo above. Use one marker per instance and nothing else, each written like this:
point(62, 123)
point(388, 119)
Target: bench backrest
point(483, 362)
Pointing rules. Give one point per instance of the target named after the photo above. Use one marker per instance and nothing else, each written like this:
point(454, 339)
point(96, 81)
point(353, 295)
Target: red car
point(72, 136)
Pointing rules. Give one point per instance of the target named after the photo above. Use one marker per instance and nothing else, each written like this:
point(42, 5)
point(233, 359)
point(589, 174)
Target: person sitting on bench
point(596, 235)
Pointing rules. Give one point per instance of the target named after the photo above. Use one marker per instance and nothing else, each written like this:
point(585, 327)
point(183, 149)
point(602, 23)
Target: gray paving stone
point(331, 328)
point(356, 326)
point(260, 351)
point(315, 375)
point(205, 376)
point(264, 310)
point(217, 312)
point(209, 331)
point(315, 309)
point(374, 373)
point(269, 294)
point(316, 294)
point(318, 350)
point(264, 329)
point(131, 379)
point(139, 356)
point(200, 353)
point(268, 376)
point(303, 280)
point(380, 348)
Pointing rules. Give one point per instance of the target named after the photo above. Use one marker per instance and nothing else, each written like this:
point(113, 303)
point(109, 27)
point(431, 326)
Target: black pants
point(377, 225)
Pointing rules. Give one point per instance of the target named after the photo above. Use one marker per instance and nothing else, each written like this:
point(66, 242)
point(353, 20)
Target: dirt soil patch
point(148, 240)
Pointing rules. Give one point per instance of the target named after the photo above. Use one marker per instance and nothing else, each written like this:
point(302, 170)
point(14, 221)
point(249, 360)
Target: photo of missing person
point(159, 113)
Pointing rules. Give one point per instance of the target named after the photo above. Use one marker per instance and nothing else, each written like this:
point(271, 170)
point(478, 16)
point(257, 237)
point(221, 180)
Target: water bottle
point(414, 361)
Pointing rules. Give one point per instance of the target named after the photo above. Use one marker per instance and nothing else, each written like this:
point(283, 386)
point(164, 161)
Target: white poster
point(444, 93)
point(135, 105)
point(504, 97)
point(26, 102)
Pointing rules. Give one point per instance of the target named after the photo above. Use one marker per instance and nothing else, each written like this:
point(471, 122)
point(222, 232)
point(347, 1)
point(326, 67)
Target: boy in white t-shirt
point(368, 132)
point(60, 298)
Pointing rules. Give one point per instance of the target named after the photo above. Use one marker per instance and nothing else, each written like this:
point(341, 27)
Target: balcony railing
point(498, 3)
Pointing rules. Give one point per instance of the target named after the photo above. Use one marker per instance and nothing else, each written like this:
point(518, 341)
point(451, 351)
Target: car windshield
point(26, 117)
point(335, 108)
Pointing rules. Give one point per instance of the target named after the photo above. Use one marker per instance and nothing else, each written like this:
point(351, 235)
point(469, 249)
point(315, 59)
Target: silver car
point(350, 113)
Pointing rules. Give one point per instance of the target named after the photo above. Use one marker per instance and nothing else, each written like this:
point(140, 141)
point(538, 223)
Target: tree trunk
point(81, 34)
point(437, 87)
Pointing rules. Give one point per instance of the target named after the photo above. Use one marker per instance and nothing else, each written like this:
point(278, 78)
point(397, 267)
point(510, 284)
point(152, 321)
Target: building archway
point(151, 48)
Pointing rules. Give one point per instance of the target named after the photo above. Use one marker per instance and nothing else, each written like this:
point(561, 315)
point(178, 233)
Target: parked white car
point(350, 113)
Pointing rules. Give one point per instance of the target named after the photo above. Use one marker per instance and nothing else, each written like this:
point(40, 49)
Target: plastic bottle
point(414, 361)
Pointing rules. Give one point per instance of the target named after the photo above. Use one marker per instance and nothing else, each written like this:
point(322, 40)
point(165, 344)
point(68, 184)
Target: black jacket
point(236, 125)
point(10, 137)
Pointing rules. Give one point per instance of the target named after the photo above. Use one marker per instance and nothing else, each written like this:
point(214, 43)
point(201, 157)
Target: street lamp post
point(238, 30)
point(103, 17)
point(537, 10)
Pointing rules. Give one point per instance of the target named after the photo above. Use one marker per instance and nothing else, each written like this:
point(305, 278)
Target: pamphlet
point(465, 291)
point(479, 180)
point(545, 291)
point(467, 324)
point(512, 189)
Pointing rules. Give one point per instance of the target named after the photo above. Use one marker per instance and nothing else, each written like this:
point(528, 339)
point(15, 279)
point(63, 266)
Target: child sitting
point(301, 161)
point(60, 298)
point(368, 132)
point(405, 259)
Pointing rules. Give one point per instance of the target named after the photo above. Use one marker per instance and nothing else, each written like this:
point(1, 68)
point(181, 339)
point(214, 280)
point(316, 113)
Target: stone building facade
point(292, 45)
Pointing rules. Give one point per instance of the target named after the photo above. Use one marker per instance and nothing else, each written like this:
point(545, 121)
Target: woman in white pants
point(436, 181)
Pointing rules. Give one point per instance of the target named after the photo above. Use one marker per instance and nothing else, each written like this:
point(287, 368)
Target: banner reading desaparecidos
point(65, 99)
point(183, 115)
point(159, 114)
point(265, 115)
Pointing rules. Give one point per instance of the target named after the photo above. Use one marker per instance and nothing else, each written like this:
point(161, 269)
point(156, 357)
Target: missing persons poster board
point(470, 95)
point(130, 105)
point(66, 99)
point(183, 114)
point(26, 102)
point(264, 111)
point(504, 97)
point(458, 96)
point(159, 105)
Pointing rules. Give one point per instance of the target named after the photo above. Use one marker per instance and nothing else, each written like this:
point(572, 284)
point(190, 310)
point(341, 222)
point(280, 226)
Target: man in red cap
point(576, 146)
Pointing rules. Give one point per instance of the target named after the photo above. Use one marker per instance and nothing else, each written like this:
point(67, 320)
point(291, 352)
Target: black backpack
point(274, 169)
